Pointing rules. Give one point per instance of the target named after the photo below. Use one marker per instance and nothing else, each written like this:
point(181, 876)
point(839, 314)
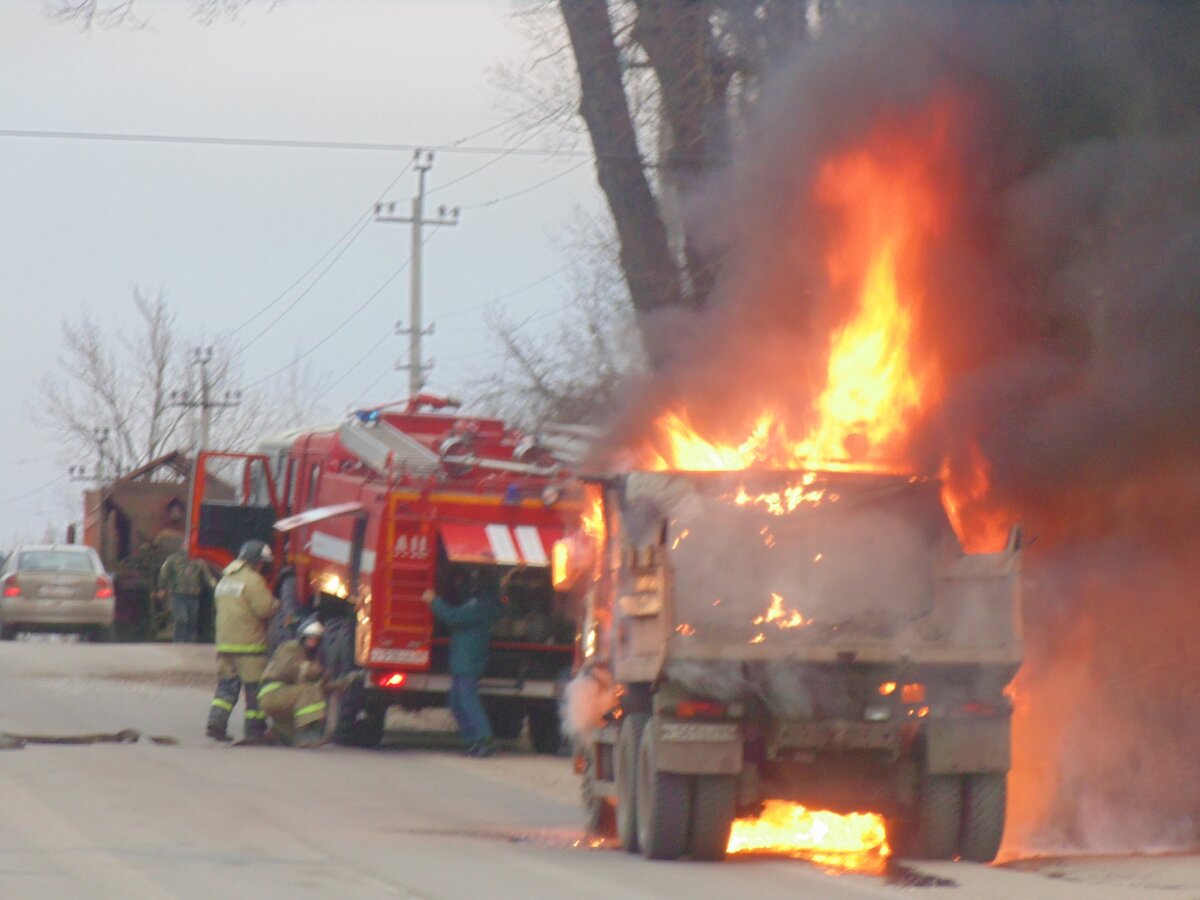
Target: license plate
point(399, 657)
point(57, 591)
point(694, 731)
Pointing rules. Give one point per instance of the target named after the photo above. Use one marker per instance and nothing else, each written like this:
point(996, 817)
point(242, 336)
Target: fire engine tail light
point(12, 587)
point(391, 679)
point(104, 588)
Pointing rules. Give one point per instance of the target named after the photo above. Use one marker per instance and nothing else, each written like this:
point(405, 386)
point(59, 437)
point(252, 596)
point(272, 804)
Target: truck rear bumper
point(421, 683)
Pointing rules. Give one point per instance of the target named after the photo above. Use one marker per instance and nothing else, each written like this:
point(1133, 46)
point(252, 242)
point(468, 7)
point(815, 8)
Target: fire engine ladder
point(385, 449)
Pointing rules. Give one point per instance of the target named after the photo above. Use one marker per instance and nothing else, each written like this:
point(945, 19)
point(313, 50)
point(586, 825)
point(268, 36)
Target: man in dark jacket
point(470, 624)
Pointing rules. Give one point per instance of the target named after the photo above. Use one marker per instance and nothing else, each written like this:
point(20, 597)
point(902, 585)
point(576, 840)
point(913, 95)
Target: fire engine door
point(232, 500)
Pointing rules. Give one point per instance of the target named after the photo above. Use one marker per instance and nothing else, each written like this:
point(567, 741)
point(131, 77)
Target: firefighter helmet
point(311, 628)
point(255, 552)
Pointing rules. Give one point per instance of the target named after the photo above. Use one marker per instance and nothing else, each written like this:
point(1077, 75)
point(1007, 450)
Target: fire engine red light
point(395, 679)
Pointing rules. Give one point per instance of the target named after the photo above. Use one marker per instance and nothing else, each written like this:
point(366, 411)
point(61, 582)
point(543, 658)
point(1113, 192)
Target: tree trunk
point(650, 271)
point(694, 80)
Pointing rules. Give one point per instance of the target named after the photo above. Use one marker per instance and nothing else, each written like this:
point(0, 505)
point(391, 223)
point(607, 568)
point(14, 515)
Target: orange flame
point(782, 618)
point(853, 842)
point(875, 388)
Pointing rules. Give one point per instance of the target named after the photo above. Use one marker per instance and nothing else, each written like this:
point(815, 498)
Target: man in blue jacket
point(470, 623)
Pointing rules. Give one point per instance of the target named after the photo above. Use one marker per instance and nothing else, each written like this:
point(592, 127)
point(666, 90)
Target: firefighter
point(182, 579)
point(294, 688)
point(470, 624)
point(244, 607)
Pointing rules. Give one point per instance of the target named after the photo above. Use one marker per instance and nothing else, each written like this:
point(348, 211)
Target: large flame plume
point(1046, 274)
point(851, 842)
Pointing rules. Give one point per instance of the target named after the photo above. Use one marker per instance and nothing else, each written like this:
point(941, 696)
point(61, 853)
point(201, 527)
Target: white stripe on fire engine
point(503, 549)
point(530, 543)
point(337, 550)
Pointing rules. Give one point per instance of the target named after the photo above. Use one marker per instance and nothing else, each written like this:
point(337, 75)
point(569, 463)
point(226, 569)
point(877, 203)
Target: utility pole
point(417, 367)
point(99, 476)
point(202, 356)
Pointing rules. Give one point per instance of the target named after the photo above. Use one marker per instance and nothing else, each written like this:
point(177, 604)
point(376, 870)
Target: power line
point(304, 293)
point(362, 359)
point(360, 221)
point(506, 295)
point(532, 187)
point(206, 140)
point(30, 493)
point(350, 318)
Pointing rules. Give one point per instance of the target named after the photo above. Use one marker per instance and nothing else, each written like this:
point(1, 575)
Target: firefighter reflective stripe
point(242, 648)
point(222, 704)
point(268, 687)
point(255, 714)
point(311, 708)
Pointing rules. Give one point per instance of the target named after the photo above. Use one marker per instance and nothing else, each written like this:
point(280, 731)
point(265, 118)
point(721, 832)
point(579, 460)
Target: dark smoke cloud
point(1064, 311)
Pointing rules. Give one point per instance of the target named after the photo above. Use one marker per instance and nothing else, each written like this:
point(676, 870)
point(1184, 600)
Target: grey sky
point(224, 229)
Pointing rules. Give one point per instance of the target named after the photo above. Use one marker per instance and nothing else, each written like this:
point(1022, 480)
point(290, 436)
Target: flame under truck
point(813, 637)
point(369, 514)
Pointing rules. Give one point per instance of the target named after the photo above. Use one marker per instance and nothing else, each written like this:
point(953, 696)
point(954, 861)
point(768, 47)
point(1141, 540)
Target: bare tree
point(573, 372)
point(118, 402)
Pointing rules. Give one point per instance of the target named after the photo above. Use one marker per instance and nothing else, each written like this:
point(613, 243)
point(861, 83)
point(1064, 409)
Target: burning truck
point(818, 637)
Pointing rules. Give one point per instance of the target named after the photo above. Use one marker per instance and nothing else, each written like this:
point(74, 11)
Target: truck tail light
point(11, 587)
point(699, 709)
point(104, 588)
point(912, 693)
point(391, 679)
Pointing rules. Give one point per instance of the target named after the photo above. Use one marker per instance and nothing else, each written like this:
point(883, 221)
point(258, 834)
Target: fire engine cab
point(369, 514)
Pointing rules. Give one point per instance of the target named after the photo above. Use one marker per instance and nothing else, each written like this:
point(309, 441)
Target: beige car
point(56, 587)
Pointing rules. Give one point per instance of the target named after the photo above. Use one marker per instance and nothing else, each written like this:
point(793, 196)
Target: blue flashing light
point(512, 494)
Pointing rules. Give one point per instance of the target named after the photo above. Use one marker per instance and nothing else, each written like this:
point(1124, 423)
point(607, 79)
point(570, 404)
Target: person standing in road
point(182, 579)
point(244, 607)
point(470, 624)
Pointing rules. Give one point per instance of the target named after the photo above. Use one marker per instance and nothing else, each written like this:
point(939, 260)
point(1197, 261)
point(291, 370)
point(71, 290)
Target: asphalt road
point(413, 819)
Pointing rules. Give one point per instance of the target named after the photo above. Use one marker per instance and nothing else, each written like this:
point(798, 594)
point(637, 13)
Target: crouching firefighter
point(244, 608)
point(294, 688)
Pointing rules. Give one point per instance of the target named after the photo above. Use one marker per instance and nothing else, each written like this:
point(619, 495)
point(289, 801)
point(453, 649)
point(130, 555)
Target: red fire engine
point(369, 514)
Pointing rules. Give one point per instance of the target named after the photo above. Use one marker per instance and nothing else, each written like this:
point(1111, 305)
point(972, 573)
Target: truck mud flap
point(698, 748)
point(957, 746)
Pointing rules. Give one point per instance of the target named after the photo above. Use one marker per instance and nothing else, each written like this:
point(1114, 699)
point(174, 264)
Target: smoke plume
point(1061, 306)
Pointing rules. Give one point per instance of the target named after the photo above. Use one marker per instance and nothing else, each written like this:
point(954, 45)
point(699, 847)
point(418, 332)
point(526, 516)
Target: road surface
point(414, 819)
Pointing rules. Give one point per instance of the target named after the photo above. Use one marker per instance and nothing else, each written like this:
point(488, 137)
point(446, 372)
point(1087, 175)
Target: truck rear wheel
point(714, 805)
point(368, 730)
point(663, 805)
point(545, 730)
point(599, 817)
point(938, 816)
point(628, 743)
point(984, 801)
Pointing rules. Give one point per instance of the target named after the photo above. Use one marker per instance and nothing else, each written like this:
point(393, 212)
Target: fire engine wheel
point(663, 805)
point(984, 801)
point(714, 806)
point(628, 741)
point(507, 719)
point(938, 816)
point(599, 817)
point(545, 729)
point(368, 731)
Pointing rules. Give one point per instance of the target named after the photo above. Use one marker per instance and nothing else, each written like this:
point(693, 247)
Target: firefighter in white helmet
point(244, 607)
point(294, 687)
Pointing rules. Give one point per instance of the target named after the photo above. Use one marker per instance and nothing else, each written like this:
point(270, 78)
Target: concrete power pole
point(417, 367)
point(202, 356)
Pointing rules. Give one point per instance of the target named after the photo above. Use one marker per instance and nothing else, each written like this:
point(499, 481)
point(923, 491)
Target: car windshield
point(56, 560)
